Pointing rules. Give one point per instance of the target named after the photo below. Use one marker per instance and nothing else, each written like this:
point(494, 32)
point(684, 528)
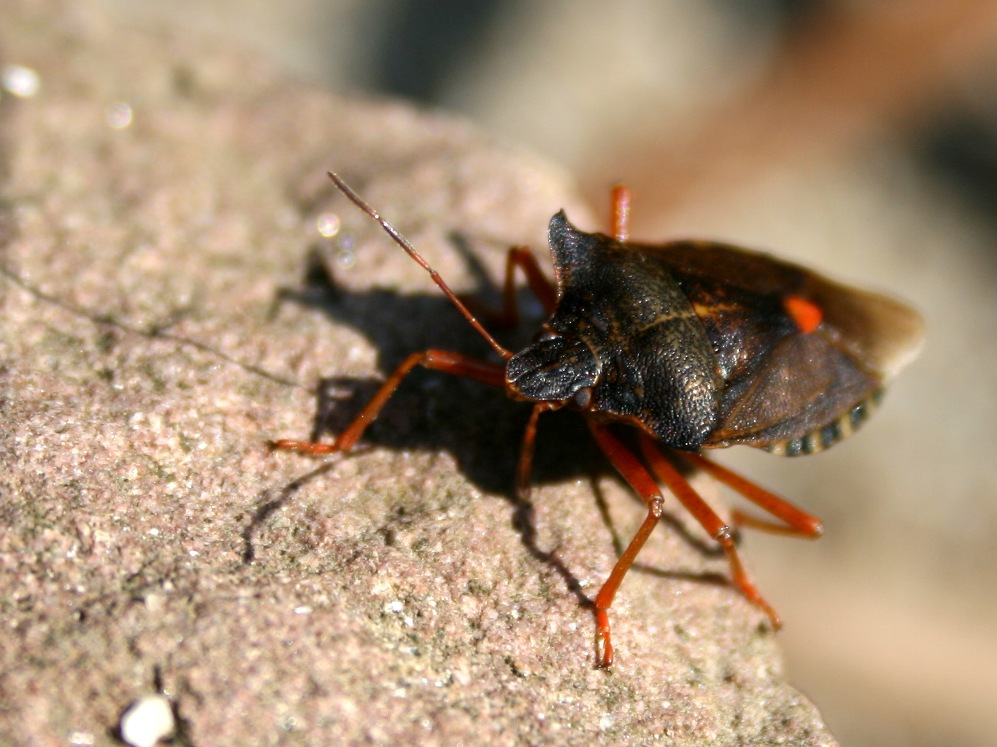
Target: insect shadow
point(433, 411)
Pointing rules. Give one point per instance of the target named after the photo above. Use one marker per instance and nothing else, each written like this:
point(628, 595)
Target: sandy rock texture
point(163, 317)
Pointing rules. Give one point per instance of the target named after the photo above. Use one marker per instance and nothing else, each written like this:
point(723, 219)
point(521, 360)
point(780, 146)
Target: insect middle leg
point(436, 360)
point(717, 528)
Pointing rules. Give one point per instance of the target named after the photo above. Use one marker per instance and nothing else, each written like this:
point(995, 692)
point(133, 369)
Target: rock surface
point(160, 202)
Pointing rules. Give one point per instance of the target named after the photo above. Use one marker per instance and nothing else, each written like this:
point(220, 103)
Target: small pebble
point(146, 721)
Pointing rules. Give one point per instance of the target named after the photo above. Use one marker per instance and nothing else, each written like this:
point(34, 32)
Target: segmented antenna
point(410, 250)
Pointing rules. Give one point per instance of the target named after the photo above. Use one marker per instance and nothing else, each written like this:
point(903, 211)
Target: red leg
point(437, 360)
point(796, 521)
point(620, 212)
point(543, 289)
point(708, 519)
point(524, 469)
point(644, 484)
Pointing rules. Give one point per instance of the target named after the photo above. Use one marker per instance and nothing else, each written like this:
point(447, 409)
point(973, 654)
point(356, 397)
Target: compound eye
point(582, 398)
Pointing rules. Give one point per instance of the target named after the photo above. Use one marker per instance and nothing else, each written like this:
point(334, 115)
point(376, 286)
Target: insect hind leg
point(794, 520)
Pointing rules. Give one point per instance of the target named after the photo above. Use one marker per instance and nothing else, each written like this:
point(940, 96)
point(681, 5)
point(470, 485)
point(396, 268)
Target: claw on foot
point(603, 644)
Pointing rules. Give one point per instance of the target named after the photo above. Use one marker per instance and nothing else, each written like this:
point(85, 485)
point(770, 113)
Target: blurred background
point(858, 137)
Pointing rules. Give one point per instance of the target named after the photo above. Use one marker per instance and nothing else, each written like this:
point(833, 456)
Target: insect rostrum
point(690, 345)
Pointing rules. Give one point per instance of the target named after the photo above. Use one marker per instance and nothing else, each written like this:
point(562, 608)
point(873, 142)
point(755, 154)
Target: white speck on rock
point(146, 721)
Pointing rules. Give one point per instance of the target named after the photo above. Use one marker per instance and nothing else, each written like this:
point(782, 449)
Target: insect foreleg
point(644, 484)
point(524, 468)
point(436, 360)
point(508, 315)
point(543, 289)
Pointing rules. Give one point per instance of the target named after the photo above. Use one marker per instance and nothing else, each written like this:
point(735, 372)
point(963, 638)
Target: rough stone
point(160, 202)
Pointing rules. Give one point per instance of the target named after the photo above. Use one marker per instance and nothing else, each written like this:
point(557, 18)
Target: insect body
point(690, 346)
point(704, 345)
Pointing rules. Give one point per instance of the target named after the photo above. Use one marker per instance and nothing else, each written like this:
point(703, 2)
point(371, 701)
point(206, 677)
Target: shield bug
point(676, 348)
